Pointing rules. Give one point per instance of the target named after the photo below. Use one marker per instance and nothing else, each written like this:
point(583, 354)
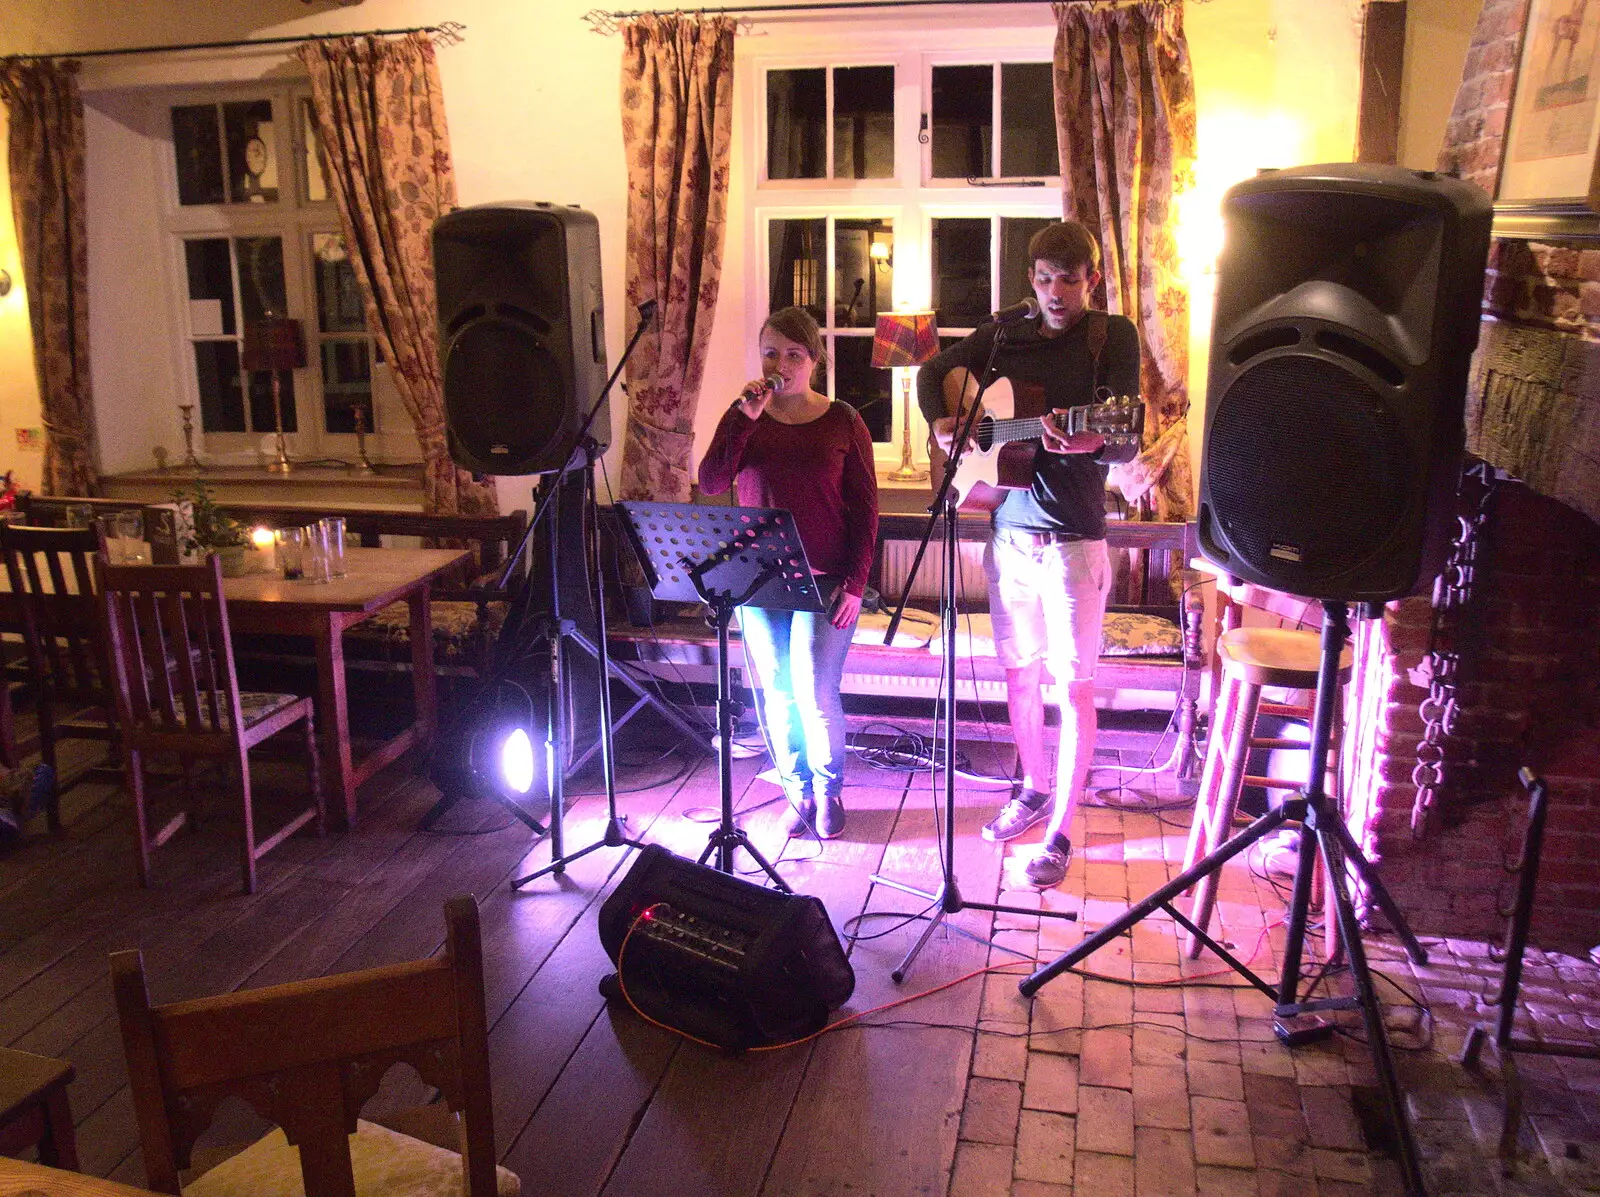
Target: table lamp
point(902, 341)
point(275, 343)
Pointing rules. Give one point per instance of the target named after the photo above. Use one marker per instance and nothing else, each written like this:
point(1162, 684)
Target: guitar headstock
point(1118, 419)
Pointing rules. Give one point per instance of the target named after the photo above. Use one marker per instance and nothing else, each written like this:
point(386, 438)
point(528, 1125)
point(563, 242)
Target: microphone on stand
point(1025, 309)
point(647, 310)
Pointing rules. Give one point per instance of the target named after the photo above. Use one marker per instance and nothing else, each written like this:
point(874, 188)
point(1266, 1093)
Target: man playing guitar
point(1047, 565)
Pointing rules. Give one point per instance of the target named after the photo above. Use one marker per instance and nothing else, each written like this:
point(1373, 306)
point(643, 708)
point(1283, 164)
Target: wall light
point(881, 253)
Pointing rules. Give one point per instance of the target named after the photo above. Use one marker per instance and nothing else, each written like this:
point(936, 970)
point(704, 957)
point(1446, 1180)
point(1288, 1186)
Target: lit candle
point(261, 538)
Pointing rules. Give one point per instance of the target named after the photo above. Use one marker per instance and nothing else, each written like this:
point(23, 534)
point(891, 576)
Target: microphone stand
point(562, 629)
point(948, 897)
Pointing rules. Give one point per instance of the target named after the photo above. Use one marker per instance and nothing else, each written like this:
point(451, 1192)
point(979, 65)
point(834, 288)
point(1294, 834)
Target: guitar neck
point(1027, 427)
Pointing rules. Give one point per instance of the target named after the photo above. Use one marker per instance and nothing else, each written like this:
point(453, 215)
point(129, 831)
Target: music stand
point(724, 557)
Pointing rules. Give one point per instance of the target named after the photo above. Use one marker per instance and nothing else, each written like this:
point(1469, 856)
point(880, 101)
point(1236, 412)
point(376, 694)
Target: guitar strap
point(1095, 335)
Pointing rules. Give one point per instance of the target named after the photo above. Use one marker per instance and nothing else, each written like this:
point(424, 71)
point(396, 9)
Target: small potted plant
point(214, 532)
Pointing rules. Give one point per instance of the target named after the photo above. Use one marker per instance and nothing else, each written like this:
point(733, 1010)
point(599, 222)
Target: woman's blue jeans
point(798, 658)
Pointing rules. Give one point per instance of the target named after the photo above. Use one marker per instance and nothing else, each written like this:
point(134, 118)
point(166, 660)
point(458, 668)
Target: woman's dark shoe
point(801, 817)
point(830, 818)
point(1049, 868)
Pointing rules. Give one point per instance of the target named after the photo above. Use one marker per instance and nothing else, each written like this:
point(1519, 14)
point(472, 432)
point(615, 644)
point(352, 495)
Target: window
point(905, 180)
point(255, 234)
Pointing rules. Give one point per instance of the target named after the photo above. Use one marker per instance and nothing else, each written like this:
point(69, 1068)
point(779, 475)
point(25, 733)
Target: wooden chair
point(51, 572)
point(176, 691)
point(307, 1056)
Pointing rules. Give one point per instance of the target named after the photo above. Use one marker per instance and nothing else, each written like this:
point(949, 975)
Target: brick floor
point(1174, 1091)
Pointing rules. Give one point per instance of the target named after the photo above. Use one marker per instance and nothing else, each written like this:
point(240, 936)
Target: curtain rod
point(606, 22)
point(449, 34)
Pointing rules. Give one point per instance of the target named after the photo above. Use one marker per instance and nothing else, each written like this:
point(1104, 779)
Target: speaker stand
point(1322, 831)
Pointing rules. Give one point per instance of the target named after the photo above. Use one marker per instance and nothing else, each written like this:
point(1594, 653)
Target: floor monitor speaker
point(521, 334)
point(1347, 309)
point(720, 958)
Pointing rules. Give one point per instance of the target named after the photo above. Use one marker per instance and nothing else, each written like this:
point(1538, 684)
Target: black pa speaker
point(1347, 310)
point(521, 334)
point(720, 958)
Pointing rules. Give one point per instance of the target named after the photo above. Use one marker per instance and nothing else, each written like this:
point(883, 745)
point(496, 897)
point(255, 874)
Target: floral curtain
point(677, 120)
point(380, 118)
point(47, 200)
point(1125, 128)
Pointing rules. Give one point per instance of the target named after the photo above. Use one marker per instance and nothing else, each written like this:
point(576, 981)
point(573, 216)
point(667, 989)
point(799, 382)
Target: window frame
point(910, 197)
point(296, 220)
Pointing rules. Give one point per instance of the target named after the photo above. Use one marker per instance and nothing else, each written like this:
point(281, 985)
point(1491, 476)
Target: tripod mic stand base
point(949, 901)
point(722, 843)
point(613, 838)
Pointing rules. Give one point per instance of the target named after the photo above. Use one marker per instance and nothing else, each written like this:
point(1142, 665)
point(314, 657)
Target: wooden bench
point(1152, 580)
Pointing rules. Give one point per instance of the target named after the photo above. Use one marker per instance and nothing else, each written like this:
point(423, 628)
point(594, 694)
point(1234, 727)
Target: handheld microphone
point(1025, 309)
point(770, 383)
point(647, 310)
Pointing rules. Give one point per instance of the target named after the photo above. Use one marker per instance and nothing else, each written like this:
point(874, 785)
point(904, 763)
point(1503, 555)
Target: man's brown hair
point(1065, 245)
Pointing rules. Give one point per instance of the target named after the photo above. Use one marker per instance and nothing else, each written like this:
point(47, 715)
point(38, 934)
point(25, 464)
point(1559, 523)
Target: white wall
point(1438, 33)
point(533, 104)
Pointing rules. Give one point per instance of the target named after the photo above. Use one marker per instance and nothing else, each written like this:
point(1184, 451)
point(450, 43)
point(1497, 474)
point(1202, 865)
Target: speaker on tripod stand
point(1347, 310)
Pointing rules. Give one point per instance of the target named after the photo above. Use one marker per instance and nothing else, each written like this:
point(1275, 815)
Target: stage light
point(514, 756)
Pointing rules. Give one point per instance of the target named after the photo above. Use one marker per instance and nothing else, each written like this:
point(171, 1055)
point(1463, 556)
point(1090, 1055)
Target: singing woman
point(783, 444)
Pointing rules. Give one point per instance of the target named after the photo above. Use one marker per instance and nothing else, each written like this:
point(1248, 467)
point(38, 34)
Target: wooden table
point(18, 1179)
point(266, 603)
point(34, 1111)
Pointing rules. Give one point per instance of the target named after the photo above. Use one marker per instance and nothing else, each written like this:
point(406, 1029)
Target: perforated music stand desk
point(725, 557)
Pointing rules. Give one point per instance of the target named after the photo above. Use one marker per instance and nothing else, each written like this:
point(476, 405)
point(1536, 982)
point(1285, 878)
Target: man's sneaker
point(1049, 868)
point(1017, 815)
point(801, 817)
point(830, 818)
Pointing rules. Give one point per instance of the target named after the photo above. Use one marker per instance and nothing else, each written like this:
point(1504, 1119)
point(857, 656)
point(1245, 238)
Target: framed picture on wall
point(1550, 158)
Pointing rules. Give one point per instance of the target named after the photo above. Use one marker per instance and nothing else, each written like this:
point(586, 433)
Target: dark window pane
point(210, 288)
point(862, 387)
point(346, 385)
point(261, 418)
point(261, 290)
point(797, 131)
point(863, 122)
point(339, 307)
point(797, 255)
point(863, 283)
point(961, 272)
point(216, 365)
point(963, 122)
point(316, 172)
point(252, 153)
point(1015, 232)
point(1027, 120)
point(197, 147)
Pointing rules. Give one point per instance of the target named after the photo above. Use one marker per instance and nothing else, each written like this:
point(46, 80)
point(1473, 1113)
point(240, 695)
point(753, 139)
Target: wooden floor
point(942, 1095)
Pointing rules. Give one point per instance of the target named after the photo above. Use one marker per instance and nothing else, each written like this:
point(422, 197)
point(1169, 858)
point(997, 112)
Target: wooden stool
point(34, 1110)
point(1251, 658)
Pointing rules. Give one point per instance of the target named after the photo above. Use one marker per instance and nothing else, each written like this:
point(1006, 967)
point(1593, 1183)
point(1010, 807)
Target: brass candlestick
point(275, 344)
point(190, 461)
point(282, 464)
point(363, 465)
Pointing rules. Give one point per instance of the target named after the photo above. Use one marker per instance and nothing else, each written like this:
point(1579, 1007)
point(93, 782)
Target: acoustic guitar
point(1004, 436)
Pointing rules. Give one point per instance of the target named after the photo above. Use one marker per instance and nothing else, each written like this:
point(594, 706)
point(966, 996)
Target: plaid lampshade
point(904, 339)
point(273, 343)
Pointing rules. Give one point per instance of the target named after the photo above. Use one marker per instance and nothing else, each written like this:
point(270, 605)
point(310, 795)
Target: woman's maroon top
point(821, 471)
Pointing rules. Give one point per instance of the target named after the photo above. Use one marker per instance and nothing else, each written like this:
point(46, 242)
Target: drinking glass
point(316, 552)
point(291, 543)
point(333, 529)
point(125, 543)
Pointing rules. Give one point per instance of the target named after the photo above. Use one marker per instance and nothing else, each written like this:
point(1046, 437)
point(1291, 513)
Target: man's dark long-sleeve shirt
point(1068, 492)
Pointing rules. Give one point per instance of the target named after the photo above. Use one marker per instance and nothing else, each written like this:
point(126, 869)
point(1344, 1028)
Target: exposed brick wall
point(1530, 696)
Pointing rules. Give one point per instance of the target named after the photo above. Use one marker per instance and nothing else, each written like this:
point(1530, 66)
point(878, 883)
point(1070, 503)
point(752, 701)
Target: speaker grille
point(1307, 469)
point(508, 394)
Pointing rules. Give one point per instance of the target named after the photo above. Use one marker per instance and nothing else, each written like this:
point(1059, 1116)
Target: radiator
point(897, 558)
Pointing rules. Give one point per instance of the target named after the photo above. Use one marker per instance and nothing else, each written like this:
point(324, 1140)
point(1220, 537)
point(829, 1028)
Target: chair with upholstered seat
point(307, 1056)
point(51, 574)
point(177, 692)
